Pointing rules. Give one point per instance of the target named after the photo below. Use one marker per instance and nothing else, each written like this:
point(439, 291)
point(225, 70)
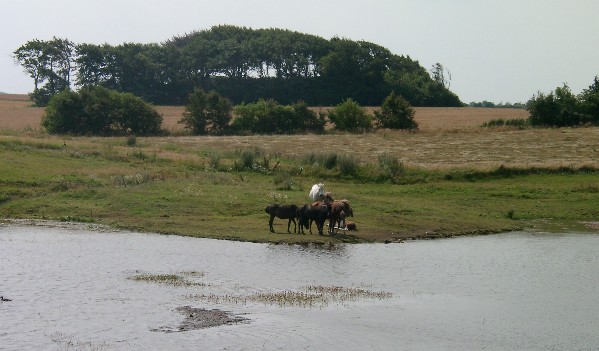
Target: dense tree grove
point(562, 108)
point(240, 63)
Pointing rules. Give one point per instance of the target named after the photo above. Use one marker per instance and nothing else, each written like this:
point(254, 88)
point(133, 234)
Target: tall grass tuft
point(390, 167)
point(348, 165)
point(131, 140)
point(253, 159)
point(214, 158)
point(284, 181)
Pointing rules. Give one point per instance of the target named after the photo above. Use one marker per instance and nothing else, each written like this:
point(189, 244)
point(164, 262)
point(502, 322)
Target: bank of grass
point(171, 186)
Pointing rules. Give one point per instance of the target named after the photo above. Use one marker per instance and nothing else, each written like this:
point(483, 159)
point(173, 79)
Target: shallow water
point(70, 291)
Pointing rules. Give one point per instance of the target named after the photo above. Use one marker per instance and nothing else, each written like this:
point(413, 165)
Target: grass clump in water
point(166, 279)
point(308, 297)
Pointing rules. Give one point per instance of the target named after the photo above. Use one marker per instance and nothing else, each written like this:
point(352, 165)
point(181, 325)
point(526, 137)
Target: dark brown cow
point(308, 213)
point(284, 212)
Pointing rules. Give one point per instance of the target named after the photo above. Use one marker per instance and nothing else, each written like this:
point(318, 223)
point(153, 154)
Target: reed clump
point(307, 297)
point(168, 279)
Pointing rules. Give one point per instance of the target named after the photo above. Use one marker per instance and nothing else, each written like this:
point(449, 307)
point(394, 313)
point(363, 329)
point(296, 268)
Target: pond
point(73, 289)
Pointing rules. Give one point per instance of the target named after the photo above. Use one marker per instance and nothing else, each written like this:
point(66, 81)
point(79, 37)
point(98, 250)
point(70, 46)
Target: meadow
point(449, 178)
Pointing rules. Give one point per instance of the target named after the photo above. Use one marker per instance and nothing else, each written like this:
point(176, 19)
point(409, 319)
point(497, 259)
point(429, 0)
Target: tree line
point(240, 63)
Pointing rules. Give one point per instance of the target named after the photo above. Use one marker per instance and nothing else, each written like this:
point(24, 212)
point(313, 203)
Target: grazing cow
point(284, 212)
point(336, 208)
point(317, 192)
point(307, 213)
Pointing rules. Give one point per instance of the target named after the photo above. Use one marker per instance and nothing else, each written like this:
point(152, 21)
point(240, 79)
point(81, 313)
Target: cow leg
point(272, 230)
point(289, 224)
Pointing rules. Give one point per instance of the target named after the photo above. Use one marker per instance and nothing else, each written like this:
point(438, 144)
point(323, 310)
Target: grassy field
point(456, 178)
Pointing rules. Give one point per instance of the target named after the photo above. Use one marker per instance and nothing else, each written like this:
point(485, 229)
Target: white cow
point(317, 192)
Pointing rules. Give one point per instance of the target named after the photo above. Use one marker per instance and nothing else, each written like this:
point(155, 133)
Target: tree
point(349, 116)
point(49, 62)
point(396, 113)
point(100, 111)
point(441, 75)
point(589, 99)
point(206, 113)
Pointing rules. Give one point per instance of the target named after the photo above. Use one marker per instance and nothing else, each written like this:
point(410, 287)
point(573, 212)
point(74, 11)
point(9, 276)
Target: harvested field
point(17, 113)
point(483, 149)
point(448, 138)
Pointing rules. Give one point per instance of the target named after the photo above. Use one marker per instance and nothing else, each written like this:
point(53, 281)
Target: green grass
point(188, 193)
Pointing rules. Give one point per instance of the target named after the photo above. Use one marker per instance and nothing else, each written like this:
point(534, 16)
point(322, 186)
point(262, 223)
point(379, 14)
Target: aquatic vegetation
point(169, 279)
point(308, 297)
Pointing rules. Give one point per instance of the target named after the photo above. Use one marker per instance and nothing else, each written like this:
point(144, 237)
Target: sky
point(495, 50)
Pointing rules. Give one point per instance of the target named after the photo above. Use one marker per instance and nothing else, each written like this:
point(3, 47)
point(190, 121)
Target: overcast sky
point(495, 50)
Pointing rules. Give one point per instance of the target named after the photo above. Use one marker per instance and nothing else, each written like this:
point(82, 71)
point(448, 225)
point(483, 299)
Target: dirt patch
point(200, 318)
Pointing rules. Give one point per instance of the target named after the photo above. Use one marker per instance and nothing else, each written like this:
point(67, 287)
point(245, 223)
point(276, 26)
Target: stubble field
point(448, 138)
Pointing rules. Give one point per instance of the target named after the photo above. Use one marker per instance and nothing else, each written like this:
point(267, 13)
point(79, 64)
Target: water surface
point(70, 289)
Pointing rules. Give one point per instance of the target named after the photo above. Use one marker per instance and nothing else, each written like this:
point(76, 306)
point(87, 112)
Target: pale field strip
point(448, 138)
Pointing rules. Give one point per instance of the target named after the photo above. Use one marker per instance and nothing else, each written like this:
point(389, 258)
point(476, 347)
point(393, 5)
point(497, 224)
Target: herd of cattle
point(323, 208)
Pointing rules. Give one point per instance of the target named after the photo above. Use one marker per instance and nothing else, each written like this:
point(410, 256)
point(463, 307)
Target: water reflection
point(70, 289)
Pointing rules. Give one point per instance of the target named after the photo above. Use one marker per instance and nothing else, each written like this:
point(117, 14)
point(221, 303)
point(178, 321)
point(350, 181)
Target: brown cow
point(337, 207)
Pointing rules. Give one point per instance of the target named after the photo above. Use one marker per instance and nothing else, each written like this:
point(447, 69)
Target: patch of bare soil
point(200, 318)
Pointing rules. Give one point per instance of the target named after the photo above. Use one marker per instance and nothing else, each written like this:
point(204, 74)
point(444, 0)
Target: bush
point(269, 117)
point(349, 116)
point(500, 122)
point(390, 167)
point(396, 113)
point(207, 113)
point(99, 111)
point(326, 160)
point(559, 109)
point(306, 119)
point(131, 140)
point(348, 165)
